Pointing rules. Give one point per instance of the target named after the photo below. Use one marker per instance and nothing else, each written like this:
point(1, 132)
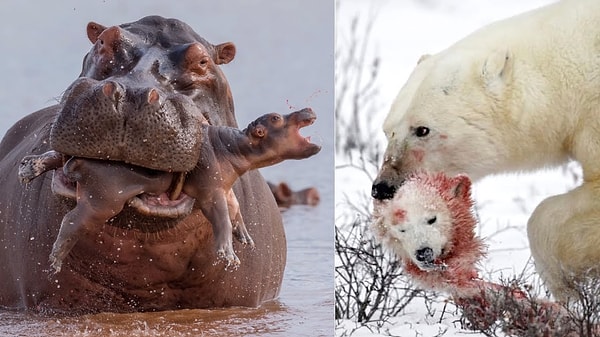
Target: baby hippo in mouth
point(226, 154)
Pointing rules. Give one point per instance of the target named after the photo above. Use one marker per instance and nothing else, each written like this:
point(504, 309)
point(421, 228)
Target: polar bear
point(517, 95)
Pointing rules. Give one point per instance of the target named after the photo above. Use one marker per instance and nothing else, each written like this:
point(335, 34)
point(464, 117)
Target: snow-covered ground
point(403, 30)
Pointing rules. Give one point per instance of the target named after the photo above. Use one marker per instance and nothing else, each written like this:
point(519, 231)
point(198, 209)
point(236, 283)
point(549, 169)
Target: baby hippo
point(226, 153)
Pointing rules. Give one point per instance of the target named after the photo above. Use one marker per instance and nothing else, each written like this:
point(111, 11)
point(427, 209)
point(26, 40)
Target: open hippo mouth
point(129, 134)
point(149, 192)
point(302, 119)
point(172, 203)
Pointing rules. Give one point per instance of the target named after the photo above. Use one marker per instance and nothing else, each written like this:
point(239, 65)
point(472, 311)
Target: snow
point(402, 31)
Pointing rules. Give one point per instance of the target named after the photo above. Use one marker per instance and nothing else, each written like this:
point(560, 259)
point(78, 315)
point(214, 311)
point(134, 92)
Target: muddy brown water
point(284, 61)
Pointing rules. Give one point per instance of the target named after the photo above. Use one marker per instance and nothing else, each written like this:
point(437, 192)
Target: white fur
point(413, 232)
point(519, 94)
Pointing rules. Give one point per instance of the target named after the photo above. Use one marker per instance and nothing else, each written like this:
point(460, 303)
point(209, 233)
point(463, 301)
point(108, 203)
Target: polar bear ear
point(461, 187)
point(497, 69)
point(423, 58)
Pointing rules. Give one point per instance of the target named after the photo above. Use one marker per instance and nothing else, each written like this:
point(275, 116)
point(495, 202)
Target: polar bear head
point(446, 118)
point(428, 220)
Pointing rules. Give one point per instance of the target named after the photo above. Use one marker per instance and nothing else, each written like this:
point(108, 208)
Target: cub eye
point(275, 118)
point(432, 220)
point(421, 131)
point(403, 231)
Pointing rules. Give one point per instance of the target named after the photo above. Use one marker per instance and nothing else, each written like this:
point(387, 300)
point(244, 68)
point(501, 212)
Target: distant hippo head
point(144, 89)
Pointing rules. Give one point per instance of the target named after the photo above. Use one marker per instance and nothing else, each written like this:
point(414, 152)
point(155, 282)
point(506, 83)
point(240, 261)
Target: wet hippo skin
point(226, 153)
point(135, 262)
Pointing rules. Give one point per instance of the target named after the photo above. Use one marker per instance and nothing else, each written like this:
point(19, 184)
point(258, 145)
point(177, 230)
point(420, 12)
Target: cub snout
point(425, 255)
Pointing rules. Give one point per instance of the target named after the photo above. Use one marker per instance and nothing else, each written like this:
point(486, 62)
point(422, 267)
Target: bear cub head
point(430, 225)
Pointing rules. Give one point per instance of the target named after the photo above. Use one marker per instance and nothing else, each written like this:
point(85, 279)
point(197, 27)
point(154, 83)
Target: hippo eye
point(432, 220)
point(421, 131)
point(275, 118)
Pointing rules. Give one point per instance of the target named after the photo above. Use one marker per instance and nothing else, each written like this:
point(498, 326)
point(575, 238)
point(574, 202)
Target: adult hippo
point(135, 262)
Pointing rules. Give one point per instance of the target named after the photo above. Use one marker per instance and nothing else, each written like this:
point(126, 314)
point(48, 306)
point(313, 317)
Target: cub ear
point(259, 131)
point(497, 69)
point(225, 53)
point(461, 187)
point(94, 30)
point(423, 58)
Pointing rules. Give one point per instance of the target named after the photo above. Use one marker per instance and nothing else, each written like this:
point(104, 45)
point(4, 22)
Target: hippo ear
point(461, 187)
point(497, 69)
point(225, 53)
point(259, 131)
point(283, 193)
point(94, 30)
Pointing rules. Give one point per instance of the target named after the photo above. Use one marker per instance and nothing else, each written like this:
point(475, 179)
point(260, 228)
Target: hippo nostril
point(108, 89)
point(425, 255)
point(153, 96)
point(382, 191)
point(111, 89)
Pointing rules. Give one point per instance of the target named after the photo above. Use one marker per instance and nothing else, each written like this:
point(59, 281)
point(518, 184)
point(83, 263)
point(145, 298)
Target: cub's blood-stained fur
point(433, 212)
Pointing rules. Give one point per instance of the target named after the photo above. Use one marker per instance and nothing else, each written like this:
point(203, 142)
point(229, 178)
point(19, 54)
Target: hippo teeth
point(180, 179)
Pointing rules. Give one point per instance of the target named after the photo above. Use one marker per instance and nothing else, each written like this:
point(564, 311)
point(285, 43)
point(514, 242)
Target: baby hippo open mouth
point(103, 188)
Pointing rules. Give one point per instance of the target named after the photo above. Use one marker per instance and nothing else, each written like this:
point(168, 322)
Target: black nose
point(425, 255)
point(382, 191)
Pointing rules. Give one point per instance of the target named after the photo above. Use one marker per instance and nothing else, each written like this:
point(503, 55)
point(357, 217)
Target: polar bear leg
point(564, 237)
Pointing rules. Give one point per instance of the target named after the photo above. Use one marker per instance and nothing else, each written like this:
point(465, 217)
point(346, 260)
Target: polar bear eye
point(421, 131)
point(432, 220)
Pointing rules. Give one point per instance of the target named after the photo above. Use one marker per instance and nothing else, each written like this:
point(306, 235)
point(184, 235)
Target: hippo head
point(143, 90)
point(277, 137)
